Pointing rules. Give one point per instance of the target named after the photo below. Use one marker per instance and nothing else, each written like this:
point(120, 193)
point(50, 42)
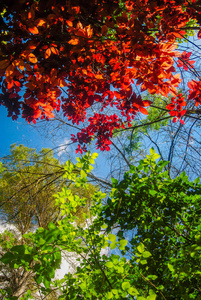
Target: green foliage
point(155, 113)
point(29, 180)
point(27, 185)
point(1, 167)
point(7, 240)
point(165, 214)
point(153, 252)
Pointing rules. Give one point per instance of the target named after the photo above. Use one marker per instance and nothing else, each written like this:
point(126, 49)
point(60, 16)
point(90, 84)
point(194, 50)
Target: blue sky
point(19, 132)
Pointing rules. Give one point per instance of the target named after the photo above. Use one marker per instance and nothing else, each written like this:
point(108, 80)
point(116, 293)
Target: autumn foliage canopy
point(89, 58)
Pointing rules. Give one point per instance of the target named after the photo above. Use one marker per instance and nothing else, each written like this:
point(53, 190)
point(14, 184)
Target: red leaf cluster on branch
point(184, 61)
point(95, 53)
point(195, 91)
point(101, 125)
point(176, 108)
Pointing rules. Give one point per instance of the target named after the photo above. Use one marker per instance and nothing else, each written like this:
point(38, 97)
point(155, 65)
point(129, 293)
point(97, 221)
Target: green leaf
point(152, 277)
point(133, 291)
point(83, 174)
point(57, 255)
point(170, 267)
point(41, 241)
point(197, 180)
point(114, 181)
point(125, 285)
point(140, 248)
point(146, 254)
point(120, 270)
point(52, 226)
point(109, 295)
point(151, 297)
point(1, 168)
point(46, 282)
point(112, 237)
point(7, 258)
point(50, 272)
point(114, 291)
point(153, 154)
point(94, 155)
point(18, 249)
point(113, 245)
point(152, 151)
point(109, 264)
point(39, 279)
point(152, 192)
point(143, 261)
point(122, 244)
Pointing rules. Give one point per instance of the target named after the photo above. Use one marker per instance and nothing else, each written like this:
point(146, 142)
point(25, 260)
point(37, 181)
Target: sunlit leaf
point(33, 30)
point(40, 22)
point(143, 110)
point(112, 237)
point(74, 41)
point(125, 285)
point(109, 264)
point(48, 53)
point(140, 248)
point(32, 58)
point(9, 70)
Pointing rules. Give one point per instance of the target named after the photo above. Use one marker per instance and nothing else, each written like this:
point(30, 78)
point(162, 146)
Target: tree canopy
point(29, 181)
point(105, 68)
point(27, 186)
point(91, 59)
point(150, 228)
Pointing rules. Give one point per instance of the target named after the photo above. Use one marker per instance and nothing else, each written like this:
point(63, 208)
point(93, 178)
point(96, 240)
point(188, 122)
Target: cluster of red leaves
point(185, 62)
point(195, 91)
point(101, 125)
point(94, 53)
point(176, 108)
